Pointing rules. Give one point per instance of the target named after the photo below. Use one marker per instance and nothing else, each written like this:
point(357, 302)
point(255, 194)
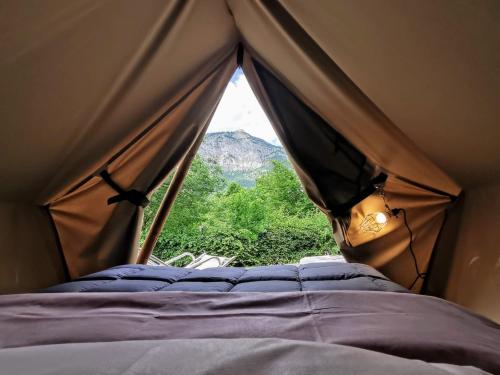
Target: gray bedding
point(214, 356)
point(400, 324)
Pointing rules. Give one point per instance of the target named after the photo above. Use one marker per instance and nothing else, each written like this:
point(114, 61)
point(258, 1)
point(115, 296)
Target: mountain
point(241, 156)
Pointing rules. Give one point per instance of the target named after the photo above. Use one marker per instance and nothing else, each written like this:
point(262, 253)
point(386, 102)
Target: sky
point(240, 110)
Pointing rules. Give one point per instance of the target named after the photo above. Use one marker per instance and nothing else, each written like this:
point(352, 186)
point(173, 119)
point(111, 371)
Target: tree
point(271, 223)
point(283, 191)
point(240, 210)
point(202, 180)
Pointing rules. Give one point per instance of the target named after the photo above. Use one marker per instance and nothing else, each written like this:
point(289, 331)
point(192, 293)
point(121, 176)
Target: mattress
point(280, 278)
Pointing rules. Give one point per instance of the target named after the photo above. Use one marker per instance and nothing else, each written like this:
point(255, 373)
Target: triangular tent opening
point(241, 198)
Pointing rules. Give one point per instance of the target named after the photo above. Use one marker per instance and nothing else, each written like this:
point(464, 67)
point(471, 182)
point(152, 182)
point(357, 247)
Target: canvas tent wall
point(129, 87)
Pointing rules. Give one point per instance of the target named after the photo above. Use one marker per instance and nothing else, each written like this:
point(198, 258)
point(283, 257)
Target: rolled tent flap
point(95, 235)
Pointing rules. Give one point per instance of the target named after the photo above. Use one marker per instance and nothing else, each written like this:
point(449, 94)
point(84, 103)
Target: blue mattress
point(279, 278)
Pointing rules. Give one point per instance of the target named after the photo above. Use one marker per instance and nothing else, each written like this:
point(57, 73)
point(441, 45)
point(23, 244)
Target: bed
point(96, 323)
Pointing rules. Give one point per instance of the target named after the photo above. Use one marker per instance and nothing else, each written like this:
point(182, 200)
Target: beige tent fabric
point(388, 250)
point(274, 37)
point(79, 78)
point(433, 67)
point(95, 235)
point(474, 272)
point(29, 255)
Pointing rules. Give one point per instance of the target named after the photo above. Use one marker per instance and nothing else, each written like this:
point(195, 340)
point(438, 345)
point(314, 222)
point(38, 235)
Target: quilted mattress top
point(278, 278)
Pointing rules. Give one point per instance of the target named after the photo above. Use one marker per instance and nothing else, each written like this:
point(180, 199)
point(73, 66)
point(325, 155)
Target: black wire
point(395, 212)
point(420, 275)
point(414, 282)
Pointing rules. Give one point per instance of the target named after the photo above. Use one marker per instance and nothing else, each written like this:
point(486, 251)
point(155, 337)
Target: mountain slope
point(241, 156)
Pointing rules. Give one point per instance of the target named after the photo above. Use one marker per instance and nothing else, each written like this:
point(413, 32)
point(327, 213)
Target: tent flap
point(96, 235)
point(30, 257)
point(341, 174)
point(340, 180)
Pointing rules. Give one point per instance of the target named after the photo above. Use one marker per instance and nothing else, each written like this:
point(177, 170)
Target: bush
point(271, 223)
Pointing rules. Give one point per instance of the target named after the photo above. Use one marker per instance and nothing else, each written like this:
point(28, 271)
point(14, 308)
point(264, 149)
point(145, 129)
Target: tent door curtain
point(340, 172)
point(340, 179)
point(96, 235)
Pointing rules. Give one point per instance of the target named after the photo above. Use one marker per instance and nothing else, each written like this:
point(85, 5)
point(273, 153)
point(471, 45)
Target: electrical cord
point(420, 275)
point(395, 212)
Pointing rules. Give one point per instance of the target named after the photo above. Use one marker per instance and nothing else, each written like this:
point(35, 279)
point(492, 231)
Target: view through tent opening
point(241, 197)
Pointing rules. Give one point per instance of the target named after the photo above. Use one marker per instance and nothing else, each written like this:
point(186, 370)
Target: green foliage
point(271, 223)
point(282, 191)
point(191, 204)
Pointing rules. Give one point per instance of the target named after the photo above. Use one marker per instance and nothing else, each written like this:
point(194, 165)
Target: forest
point(272, 222)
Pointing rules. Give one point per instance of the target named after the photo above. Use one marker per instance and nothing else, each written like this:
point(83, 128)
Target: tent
point(391, 103)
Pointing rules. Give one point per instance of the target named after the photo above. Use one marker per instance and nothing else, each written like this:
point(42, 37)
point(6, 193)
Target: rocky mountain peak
point(241, 156)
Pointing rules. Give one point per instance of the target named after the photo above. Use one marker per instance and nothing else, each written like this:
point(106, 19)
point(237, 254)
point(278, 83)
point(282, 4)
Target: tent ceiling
point(433, 67)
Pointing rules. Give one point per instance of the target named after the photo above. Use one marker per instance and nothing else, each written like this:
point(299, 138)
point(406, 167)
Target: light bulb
point(374, 222)
point(380, 218)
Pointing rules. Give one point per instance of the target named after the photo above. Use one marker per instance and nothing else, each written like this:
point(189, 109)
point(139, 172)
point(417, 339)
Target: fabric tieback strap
point(133, 196)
